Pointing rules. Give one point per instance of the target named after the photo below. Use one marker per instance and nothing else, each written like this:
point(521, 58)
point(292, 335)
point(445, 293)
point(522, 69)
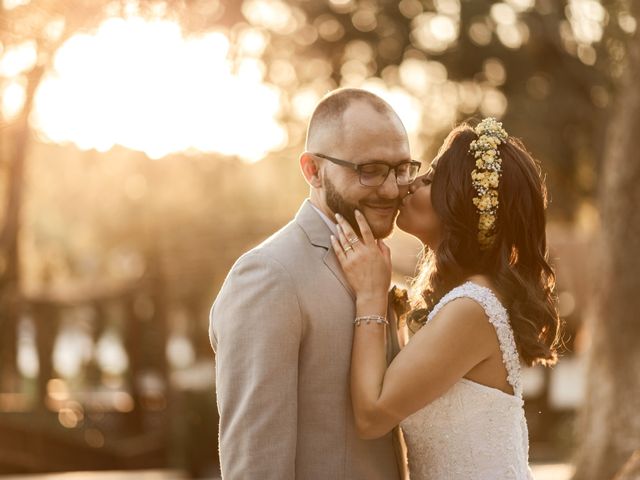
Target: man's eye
point(373, 169)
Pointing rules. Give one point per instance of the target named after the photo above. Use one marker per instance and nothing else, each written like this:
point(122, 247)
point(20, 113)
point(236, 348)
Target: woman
point(488, 297)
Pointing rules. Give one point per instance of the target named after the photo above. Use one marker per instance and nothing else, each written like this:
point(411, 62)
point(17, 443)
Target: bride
point(488, 304)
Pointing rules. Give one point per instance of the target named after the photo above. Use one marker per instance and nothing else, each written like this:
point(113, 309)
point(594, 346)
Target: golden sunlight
point(143, 85)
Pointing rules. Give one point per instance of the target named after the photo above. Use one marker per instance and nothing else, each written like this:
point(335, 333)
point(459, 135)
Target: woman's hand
point(366, 262)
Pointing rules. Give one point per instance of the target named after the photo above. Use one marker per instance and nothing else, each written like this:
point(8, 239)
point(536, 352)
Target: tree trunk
point(10, 303)
point(609, 425)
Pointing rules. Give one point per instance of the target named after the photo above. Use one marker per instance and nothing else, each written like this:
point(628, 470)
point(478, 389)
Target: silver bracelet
point(367, 319)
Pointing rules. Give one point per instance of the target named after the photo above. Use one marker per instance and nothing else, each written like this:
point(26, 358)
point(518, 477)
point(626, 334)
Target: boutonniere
point(399, 299)
point(414, 318)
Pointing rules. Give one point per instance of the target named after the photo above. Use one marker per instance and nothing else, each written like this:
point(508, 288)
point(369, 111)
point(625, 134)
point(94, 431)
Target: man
point(282, 323)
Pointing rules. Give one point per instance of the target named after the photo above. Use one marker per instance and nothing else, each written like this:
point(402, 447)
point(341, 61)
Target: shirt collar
point(327, 220)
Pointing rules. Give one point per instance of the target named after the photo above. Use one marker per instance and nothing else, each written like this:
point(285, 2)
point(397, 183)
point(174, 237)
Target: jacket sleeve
point(256, 327)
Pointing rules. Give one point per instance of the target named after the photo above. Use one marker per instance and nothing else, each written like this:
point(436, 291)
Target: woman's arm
point(439, 354)
point(367, 265)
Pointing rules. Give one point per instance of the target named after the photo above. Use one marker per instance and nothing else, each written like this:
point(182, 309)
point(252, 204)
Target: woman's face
point(417, 216)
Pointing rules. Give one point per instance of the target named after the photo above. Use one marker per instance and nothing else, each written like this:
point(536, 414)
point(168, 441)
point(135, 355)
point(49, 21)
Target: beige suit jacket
point(281, 328)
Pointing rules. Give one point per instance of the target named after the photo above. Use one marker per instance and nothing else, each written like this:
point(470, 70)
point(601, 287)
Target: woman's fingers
point(337, 247)
point(344, 241)
point(346, 230)
point(365, 229)
point(352, 237)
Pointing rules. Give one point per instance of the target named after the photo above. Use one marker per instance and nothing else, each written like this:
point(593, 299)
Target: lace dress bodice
point(473, 432)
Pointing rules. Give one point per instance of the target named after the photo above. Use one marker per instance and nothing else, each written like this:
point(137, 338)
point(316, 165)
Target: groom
point(281, 325)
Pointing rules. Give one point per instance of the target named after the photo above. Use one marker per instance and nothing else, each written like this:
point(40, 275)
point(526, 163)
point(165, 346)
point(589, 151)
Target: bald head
point(357, 127)
point(327, 123)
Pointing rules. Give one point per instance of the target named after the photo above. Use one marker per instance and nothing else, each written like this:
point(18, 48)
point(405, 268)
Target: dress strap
point(499, 318)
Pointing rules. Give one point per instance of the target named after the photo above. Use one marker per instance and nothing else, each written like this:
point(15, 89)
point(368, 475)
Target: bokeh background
point(146, 144)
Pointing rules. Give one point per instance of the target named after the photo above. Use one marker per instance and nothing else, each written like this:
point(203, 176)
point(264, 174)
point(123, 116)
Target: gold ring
point(347, 248)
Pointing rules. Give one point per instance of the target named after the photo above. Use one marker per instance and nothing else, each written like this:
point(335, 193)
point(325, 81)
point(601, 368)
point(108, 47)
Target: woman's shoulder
point(471, 287)
point(464, 305)
point(463, 321)
point(475, 298)
point(486, 282)
point(460, 308)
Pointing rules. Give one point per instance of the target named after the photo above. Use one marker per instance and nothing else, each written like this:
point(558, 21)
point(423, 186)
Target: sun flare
point(143, 85)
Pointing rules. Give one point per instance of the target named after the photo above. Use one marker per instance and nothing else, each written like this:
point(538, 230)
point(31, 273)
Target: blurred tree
point(610, 425)
point(42, 26)
point(517, 59)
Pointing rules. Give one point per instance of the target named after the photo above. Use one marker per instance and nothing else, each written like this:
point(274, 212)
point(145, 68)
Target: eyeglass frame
point(358, 166)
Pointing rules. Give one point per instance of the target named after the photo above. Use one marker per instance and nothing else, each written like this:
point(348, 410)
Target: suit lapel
point(331, 261)
point(319, 235)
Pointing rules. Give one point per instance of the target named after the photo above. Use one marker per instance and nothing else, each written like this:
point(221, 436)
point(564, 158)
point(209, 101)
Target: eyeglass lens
point(375, 174)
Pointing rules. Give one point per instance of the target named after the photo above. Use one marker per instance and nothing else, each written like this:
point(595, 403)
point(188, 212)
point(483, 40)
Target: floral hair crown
point(486, 176)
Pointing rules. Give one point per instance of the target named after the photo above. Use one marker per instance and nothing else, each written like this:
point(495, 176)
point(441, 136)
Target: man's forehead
point(379, 130)
point(363, 115)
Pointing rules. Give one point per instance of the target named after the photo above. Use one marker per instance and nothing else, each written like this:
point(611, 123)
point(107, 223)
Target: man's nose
point(389, 189)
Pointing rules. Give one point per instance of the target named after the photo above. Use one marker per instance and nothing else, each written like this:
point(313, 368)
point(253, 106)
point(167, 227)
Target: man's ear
point(310, 167)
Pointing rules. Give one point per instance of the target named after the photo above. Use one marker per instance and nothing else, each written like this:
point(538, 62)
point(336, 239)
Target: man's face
point(366, 136)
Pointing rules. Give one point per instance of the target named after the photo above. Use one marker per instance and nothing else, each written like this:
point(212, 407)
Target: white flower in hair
point(486, 176)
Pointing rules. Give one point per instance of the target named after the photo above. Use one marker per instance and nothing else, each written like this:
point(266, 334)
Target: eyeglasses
point(374, 174)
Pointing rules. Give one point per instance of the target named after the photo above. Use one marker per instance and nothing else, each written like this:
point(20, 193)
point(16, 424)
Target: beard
point(338, 204)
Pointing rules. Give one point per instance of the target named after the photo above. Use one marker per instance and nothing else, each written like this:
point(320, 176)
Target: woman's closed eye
point(427, 178)
point(422, 181)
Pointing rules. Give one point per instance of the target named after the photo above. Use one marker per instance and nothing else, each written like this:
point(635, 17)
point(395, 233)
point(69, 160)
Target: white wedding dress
point(473, 432)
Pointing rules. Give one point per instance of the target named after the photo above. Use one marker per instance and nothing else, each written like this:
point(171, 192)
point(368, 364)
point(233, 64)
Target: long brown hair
point(516, 263)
